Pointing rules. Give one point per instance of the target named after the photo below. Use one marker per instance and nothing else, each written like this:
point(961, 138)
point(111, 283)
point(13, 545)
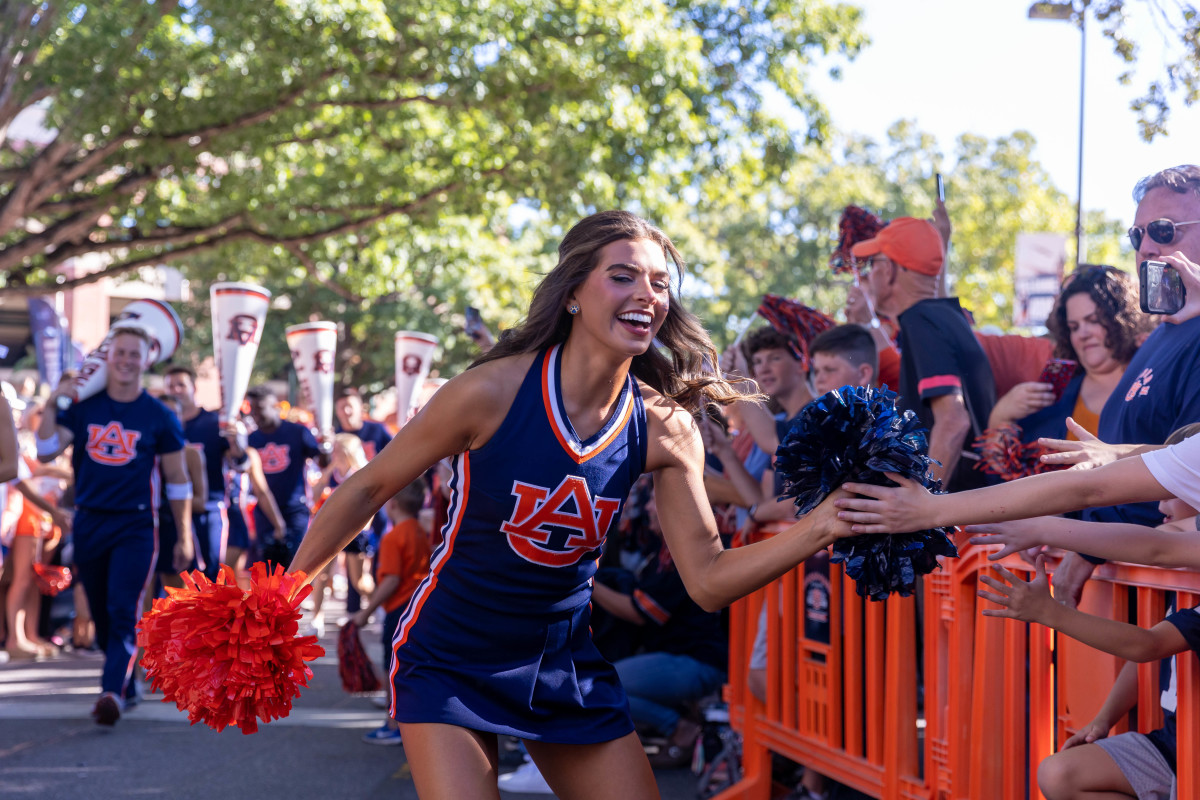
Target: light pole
point(1066, 12)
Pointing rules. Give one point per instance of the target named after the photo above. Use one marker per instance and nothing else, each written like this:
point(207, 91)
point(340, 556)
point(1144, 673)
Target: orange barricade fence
point(924, 697)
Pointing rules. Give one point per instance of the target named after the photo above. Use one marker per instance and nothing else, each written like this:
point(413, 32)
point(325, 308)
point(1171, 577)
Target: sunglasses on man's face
point(1160, 230)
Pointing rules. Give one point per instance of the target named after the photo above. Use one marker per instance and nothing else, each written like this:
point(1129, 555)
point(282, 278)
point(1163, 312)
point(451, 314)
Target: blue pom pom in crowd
point(856, 434)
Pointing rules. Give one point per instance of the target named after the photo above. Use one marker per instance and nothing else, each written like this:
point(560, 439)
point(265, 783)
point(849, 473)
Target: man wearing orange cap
point(944, 375)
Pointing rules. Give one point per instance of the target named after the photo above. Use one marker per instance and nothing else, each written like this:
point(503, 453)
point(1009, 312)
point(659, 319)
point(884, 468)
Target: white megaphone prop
point(414, 355)
point(313, 346)
point(238, 313)
point(156, 318)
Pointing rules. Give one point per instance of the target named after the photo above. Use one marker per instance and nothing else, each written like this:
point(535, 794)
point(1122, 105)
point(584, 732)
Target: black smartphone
point(941, 188)
point(1161, 290)
point(474, 323)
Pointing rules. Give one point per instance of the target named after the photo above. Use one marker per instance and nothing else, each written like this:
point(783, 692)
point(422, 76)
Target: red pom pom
point(228, 656)
point(51, 579)
point(1003, 454)
point(793, 318)
point(354, 667)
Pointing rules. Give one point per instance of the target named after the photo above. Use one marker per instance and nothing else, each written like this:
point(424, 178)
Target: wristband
point(48, 447)
point(753, 508)
point(179, 491)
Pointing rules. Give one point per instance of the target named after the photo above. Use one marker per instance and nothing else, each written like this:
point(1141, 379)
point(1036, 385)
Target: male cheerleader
point(119, 435)
point(201, 427)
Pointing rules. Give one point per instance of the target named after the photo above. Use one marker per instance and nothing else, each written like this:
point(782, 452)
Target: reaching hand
point(1087, 453)
point(905, 508)
point(1026, 601)
point(1013, 537)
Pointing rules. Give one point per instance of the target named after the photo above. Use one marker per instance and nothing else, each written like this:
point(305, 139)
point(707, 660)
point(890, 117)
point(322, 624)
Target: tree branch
point(314, 272)
point(170, 243)
point(14, 205)
point(73, 172)
point(395, 102)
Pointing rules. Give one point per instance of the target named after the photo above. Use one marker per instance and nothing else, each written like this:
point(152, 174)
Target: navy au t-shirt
point(116, 450)
point(284, 453)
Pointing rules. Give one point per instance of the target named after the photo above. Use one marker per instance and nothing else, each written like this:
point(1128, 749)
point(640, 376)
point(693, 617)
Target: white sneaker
point(526, 778)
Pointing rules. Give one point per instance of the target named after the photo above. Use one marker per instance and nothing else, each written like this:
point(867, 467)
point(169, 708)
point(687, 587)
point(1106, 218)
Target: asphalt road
point(50, 748)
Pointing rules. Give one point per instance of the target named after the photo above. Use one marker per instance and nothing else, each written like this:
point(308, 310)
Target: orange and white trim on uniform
point(562, 427)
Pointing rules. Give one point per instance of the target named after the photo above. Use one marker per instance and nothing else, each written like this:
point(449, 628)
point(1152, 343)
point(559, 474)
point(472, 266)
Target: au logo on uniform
point(111, 444)
point(570, 506)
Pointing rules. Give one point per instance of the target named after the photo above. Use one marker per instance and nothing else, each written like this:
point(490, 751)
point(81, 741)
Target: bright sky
point(968, 66)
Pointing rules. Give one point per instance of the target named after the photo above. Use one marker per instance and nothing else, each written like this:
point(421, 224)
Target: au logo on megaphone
point(243, 329)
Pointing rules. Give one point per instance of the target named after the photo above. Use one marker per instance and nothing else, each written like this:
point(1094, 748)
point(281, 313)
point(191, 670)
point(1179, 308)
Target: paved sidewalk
point(50, 748)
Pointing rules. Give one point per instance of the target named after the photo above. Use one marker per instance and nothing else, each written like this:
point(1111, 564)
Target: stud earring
point(573, 309)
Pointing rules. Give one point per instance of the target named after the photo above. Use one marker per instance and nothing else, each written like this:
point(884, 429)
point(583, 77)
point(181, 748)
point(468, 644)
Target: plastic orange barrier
point(924, 697)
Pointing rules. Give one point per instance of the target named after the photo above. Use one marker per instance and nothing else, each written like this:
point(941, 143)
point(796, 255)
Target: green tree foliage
point(1176, 52)
point(299, 123)
point(339, 144)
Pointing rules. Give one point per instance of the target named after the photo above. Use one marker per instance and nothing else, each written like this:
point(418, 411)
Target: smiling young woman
point(547, 432)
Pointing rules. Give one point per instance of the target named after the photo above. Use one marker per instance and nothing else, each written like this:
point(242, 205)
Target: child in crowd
point(843, 356)
point(403, 562)
point(1090, 763)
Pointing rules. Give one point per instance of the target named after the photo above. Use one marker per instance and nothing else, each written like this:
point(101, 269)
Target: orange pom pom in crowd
point(229, 656)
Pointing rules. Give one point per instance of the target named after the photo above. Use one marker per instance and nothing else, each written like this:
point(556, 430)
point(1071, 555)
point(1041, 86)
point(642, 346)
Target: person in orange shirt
point(403, 563)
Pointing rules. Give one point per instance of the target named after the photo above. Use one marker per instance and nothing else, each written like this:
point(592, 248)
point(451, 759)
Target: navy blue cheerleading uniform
point(115, 458)
point(496, 638)
point(285, 452)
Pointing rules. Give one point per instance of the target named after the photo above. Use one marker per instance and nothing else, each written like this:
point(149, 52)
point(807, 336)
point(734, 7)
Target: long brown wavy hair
point(1117, 307)
point(682, 362)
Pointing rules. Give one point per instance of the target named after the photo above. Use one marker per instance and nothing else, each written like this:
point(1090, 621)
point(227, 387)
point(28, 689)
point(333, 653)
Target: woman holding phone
point(1097, 324)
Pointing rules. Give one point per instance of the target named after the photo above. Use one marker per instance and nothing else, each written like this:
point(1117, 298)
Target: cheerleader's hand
point(826, 520)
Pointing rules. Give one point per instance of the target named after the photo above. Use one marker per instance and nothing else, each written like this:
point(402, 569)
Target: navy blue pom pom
point(855, 434)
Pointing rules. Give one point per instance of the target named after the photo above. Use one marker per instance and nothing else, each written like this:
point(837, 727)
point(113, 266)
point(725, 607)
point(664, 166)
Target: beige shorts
point(1142, 764)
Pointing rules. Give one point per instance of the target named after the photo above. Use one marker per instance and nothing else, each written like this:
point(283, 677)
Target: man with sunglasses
point(1160, 390)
